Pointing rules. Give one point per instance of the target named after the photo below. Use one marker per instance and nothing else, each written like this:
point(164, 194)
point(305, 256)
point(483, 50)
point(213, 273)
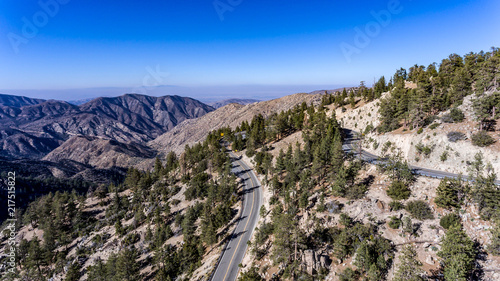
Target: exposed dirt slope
point(99, 153)
point(194, 130)
point(458, 153)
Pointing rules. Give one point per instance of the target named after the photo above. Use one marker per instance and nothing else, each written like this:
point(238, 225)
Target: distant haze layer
point(202, 93)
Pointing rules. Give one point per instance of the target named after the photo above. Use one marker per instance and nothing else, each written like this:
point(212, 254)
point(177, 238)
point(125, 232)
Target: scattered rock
point(429, 260)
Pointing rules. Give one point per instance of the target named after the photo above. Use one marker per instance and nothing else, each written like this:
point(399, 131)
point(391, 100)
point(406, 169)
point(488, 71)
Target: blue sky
point(80, 49)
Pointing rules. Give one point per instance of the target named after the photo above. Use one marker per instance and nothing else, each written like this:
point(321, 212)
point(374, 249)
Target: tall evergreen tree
point(410, 268)
point(458, 254)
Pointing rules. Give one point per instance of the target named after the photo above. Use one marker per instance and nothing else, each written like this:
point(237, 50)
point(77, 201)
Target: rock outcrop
point(313, 261)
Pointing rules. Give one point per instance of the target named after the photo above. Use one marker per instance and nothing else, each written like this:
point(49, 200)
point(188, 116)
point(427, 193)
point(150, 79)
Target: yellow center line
point(248, 220)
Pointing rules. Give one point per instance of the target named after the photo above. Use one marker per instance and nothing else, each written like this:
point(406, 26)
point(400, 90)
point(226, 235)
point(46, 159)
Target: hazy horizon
point(202, 93)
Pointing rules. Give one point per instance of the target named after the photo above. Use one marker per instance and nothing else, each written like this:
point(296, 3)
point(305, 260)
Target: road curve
point(351, 145)
point(234, 251)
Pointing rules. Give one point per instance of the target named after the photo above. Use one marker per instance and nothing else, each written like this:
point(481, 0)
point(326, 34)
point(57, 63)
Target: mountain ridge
point(128, 118)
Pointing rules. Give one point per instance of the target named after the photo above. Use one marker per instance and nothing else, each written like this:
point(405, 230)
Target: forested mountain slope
point(326, 214)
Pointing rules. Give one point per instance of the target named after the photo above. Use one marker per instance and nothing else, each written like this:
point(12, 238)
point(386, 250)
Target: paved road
point(233, 253)
point(351, 145)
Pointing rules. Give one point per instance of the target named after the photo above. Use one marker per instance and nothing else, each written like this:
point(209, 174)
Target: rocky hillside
point(17, 101)
point(429, 147)
point(99, 152)
point(222, 103)
point(192, 131)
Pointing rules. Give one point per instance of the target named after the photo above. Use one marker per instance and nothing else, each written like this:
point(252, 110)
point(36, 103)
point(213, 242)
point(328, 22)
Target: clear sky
point(56, 48)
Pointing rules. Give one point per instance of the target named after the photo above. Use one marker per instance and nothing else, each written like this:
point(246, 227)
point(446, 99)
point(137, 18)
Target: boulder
point(313, 260)
point(429, 260)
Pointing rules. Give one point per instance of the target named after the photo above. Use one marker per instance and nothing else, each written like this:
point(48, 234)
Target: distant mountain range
point(31, 128)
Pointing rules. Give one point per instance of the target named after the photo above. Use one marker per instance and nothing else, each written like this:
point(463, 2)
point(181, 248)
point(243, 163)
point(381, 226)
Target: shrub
point(356, 192)
point(423, 149)
point(398, 190)
point(369, 128)
point(429, 119)
point(420, 130)
point(482, 139)
point(348, 274)
point(444, 156)
point(449, 220)
point(447, 118)
point(386, 146)
point(455, 136)
point(251, 274)
point(419, 209)
point(131, 239)
point(433, 126)
point(396, 206)
point(494, 246)
point(457, 115)
point(394, 223)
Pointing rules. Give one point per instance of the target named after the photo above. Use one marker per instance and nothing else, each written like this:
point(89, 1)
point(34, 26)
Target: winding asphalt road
point(351, 145)
point(234, 251)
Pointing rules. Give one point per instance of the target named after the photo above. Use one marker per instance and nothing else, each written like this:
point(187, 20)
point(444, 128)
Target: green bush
point(130, 239)
point(444, 156)
point(398, 190)
point(251, 275)
point(419, 209)
point(420, 130)
point(494, 246)
point(356, 191)
point(433, 126)
point(424, 149)
point(369, 128)
point(394, 223)
point(457, 115)
point(449, 220)
point(482, 139)
point(386, 147)
point(396, 206)
point(348, 275)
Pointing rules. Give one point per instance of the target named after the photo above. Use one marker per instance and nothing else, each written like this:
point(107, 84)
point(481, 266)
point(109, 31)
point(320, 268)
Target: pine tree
point(97, 272)
point(352, 101)
point(119, 227)
point(337, 153)
point(398, 190)
point(73, 273)
point(210, 234)
point(494, 246)
point(458, 254)
point(127, 267)
point(340, 184)
point(410, 268)
point(158, 168)
point(450, 193)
